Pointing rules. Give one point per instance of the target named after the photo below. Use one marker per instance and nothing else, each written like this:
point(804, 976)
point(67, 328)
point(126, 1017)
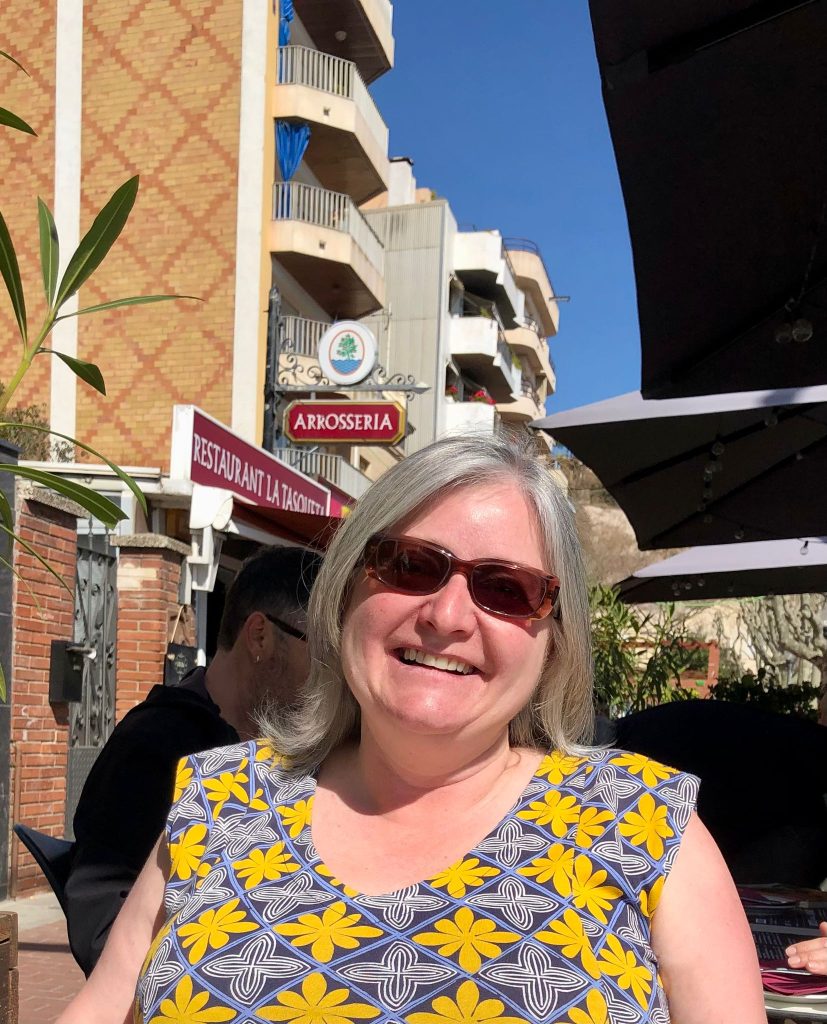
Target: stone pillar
point(149, 576)
point(39, 730)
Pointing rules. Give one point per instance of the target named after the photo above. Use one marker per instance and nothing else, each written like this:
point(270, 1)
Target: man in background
point(261, 657)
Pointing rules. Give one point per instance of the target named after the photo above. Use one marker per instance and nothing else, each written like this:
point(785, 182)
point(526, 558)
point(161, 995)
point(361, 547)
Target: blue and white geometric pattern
point(546, 920)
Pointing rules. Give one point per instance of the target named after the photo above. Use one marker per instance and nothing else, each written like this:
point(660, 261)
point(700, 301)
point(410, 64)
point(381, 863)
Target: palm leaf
point(11, 275)
point(98, 240)
point(14, 60)
point(96, 505)
point(87, 372)
point(36, 554)
point(5, 510)
point(49, 249)
point(127, 479)
point(22, 579)
point(135, 300)
point(11, 120)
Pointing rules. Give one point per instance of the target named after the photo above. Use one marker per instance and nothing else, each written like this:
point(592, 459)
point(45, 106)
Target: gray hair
point(560, 714)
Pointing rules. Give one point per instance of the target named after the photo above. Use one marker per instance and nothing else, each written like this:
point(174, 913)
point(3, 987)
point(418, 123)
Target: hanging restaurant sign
point(347, 352)
point(208, 453)
point(345, 422)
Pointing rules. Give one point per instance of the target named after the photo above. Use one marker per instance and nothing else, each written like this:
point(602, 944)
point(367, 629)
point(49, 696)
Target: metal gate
point(92, 719)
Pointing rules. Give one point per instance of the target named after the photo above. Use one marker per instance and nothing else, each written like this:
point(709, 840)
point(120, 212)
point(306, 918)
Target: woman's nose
point(450, 609)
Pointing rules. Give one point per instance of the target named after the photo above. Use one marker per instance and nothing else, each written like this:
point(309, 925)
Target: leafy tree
point(638, 659)
point(764, 689)
point(88, 256)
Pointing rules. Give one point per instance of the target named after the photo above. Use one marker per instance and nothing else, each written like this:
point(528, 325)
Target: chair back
point(53, 856)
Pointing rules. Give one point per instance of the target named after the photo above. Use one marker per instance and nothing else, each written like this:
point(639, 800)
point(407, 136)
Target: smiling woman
point(435, 841)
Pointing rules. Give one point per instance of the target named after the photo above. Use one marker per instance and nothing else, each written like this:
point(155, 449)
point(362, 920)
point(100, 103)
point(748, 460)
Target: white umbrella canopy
point(714, 469)
point(753, 569)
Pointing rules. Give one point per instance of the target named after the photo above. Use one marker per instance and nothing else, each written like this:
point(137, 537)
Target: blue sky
point(499, 106)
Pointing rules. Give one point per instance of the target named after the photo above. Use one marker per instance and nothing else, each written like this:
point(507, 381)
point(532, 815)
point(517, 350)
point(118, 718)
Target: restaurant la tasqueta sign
point(209, 453)
point(344, 422)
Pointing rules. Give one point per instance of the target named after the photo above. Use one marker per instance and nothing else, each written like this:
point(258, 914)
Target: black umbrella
point(732, 570)
point(707, 470)
point(718, 114)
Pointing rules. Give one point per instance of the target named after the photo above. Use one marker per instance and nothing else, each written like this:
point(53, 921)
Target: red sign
point(219, 458)
point(345, 422)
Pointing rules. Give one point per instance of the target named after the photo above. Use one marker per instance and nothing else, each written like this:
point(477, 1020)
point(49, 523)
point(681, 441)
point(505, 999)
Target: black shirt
point(125, 801)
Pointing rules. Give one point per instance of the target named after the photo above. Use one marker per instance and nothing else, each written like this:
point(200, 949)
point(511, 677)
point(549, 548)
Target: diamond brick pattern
point(161, 98)
point(26, 171)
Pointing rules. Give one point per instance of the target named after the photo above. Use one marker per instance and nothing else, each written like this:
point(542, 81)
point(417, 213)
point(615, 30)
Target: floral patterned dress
point(546, 919)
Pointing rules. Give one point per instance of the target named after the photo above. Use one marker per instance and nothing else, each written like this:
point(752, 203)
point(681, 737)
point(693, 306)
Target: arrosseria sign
point(206, 452)
point(345, 422)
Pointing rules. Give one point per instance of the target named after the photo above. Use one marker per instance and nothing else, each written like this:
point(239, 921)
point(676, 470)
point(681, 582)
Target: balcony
point(532, 348)
point(533, 278)
point(321, 238)
point(478, 347)
point(331, 469)
point(357, 30)
point(471, 418)
point(348, 149)
point(483, 266)
point(528, 404)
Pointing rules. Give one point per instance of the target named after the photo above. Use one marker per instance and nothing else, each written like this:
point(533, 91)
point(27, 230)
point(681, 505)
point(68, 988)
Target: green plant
point(763, 689)
point(59, 289)
point(638, 659)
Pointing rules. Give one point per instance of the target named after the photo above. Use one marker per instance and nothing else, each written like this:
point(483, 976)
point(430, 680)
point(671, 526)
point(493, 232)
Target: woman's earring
point(258, 658)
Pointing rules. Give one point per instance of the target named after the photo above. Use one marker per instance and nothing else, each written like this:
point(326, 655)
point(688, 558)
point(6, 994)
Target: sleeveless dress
point(545, 920)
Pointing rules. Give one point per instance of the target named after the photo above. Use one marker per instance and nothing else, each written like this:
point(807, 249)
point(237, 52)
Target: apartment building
point(209, 102)
point(472, 312)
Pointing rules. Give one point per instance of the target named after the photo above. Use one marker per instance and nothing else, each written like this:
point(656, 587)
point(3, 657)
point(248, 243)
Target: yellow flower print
point(185, 855)
point(620, 963)
point(649, 900)
point(228, 784)
point(468, 1009)
point(556, 866)
point(183, 777)
point(266, 752)
point(213, 929)
point(651, 772)
point(571, 936)
point(555, 810)
point(261, 864)
point(315, 1005)
point(323, 934)
point(596, 1012)
point(474, 938)
point(296, 817)
point(256, 803)
point(190, 1009)
point(647, 825)
point(589, 890)
point(591, 824)
point(557, 766)
point(464, 875)
point(325, 872)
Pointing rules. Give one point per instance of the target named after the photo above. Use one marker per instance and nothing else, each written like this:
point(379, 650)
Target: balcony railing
point(293, 200)
point(506, 360)
point(302, 336)
point(301, 65)
point(528, 389)
point(333, 468)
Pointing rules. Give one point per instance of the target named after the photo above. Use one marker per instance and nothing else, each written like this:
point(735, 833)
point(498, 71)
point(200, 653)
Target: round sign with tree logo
point(347, 352)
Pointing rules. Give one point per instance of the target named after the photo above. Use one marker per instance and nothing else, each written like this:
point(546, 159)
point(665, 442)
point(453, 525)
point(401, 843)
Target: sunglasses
point(501, 588)
point(285, 627)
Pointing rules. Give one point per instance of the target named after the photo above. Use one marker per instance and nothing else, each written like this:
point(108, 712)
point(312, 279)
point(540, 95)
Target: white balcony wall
point(470, 418)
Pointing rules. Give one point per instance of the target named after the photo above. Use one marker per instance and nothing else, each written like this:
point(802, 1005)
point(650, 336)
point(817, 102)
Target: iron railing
point(301, 336)
point(333, 468)
point(293, 200)
point(301, 65)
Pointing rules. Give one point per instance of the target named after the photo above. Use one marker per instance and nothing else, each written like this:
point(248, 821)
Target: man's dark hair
point(276, 580)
